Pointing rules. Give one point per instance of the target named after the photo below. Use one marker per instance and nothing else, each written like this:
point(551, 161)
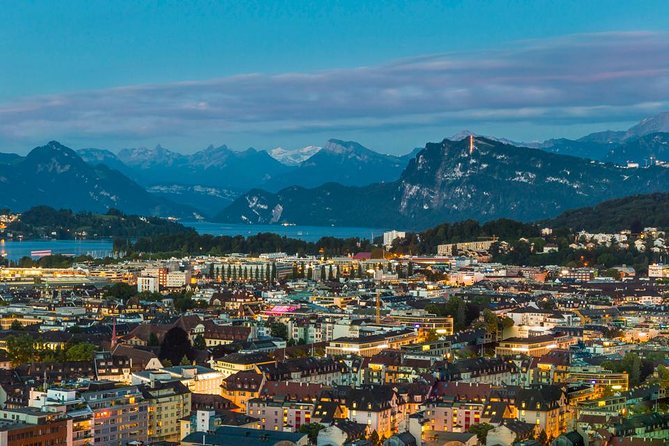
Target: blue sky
point(391, 75)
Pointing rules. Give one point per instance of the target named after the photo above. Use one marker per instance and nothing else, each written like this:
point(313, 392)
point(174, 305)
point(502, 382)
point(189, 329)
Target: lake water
point(14, 250)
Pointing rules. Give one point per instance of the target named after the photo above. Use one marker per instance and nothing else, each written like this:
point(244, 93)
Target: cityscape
point(413, 283)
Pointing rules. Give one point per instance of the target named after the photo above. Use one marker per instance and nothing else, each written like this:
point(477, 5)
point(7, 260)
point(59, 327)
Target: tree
point(431, 336)
point(630, 364)
point(176, 345)
point(662, 376)
point(543, 438)
point(121, 291)
point(490, 321)
point(16, 325)
point(323, 273)
point(183, 302)
point(80, 352)
point(312, 430)
point(374, 438)
point(279, 330)
point(481, 430)
point(22, 349)
point(153, 340)
point(199, 343)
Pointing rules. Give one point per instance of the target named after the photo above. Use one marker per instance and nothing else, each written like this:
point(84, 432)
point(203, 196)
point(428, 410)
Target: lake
point(14, 249)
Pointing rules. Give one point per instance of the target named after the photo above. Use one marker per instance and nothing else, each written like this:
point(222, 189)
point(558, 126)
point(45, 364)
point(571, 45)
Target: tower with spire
point(114, 339)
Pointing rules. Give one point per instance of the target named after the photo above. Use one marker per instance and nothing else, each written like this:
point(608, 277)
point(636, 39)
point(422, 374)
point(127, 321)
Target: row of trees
point(25, 348)
point(640, 369)
point(190, 243)
point(522, 252)
point(243, 272)
point(43, 221)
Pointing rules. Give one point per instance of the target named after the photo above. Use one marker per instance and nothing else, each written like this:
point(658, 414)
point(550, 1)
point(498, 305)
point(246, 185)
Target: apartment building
point(277, 415)
point(533, 346)
point(371, 345)
point(169, 402)
point(121, 414)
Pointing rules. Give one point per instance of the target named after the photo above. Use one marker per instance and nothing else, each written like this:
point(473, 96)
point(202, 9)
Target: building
point(457, 248)
point(658, 271)
point(177, 279)
point(69, 403)
point(379, 407)
point(121, 414)
point(148, 284)
point(599, 377)
point(169, 402)
point(533, 346)
point(280, 415)
point(543, 406)
point(158, 272)
point(452, 416)
point(227, 435)
point(390, 236)
point(370, 345)
point(242, 387)
point(47, 433)
point(197, 378)
point(240, 362)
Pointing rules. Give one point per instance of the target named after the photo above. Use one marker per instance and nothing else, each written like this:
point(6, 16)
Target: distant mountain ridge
point(444, 182)
point(641, 142)
point(57, 176)
point(224, 173)
point(344, 183)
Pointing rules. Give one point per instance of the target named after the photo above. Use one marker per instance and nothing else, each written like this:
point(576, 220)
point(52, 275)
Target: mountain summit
point(57, 176)
point(445, 182)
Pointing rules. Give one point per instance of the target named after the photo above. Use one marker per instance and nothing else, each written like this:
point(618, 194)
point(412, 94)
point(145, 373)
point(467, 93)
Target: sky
point(390, 75)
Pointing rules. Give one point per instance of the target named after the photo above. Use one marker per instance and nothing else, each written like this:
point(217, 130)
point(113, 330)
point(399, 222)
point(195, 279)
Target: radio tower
point(471, 144)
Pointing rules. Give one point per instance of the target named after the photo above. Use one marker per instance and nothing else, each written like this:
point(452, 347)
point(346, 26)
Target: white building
point(177, 279)
point(389, 236)
point(658, 271)
point(149, 284)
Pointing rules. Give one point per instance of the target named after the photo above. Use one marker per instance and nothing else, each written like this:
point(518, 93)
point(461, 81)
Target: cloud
point(602, 77)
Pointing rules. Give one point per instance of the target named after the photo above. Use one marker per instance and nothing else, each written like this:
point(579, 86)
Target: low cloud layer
point(596, 78)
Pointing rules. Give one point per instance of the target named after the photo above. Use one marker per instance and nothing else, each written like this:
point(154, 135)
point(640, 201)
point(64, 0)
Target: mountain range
point(345, 183)
point(219, 174)
point(649, 139)
point(56, 175)
point(445, 182)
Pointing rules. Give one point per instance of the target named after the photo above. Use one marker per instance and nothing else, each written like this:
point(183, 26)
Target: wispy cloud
point(581, 78)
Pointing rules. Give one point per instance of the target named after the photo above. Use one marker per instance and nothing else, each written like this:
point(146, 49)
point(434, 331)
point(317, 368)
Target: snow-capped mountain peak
point(293, 157)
